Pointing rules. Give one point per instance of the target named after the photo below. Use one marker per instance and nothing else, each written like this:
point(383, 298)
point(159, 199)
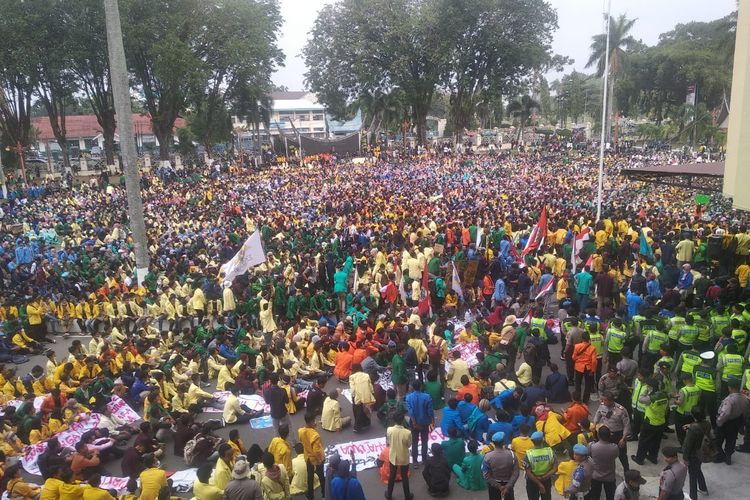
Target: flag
point(480, 234)
point(579, 239)
point(645, 249)
point(456, 282)
point(251, 254)
point(538, 234)
point(401, 291)
point(356, 280)
point(692, 91)
point(546, 288)
point(515, 255)
point(425, 301)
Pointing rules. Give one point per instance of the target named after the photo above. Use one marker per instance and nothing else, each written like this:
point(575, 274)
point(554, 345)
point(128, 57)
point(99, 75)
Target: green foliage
point(522, 110)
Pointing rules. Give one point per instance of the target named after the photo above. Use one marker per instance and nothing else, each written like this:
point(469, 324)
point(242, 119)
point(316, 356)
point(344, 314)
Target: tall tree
point(620, 41)
point(160, 43)
point(352, 53)
point(55, 81)
point(522, 109)
point(83, 21)
point(492, 47)
point(17, 71)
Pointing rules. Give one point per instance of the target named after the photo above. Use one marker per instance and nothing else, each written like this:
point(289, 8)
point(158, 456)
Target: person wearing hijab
point(344, 486)
point(437, 472)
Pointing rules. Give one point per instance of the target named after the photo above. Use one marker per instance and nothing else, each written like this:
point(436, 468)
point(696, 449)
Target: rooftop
point(77, 126)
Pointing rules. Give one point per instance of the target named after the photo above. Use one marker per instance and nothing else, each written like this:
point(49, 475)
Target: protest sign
point(118, 484)
point(262, 422)
point(367, 451)
point(468, 352)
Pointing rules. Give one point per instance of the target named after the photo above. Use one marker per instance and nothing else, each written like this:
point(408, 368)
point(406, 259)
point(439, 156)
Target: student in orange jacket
point(584, 359)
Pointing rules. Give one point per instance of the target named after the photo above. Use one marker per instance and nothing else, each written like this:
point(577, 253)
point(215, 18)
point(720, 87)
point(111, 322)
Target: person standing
point(672, 478)
point(629, 488)
point(704, 375)
point(540, 464)
point(603, 453)
point(688, 398)
point(585, 361)
point(583, 282)
point(312, 446)
point(500, 470)
point(654, 421)
point(691, 451)
point(422, 419)
point(581, 483)
point(277, 398)
point(398, 439)
point(733, 411)
point(614, 417)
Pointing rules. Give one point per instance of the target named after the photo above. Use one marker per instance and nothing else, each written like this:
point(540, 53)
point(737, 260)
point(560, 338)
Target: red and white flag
point(425, 301)
point(538, 234)
point(515, 255)
point(546, 288)
point(579, 239)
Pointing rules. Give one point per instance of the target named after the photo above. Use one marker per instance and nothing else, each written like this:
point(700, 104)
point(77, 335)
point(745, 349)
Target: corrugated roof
point(87, 126)
point(288, 94)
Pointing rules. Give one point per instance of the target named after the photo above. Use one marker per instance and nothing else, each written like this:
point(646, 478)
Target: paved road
point(724, 482)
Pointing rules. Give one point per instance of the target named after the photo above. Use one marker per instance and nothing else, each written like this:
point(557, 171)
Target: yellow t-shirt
point(743, 272)
point(565, 475)
point(152, 480)
point(520, 445)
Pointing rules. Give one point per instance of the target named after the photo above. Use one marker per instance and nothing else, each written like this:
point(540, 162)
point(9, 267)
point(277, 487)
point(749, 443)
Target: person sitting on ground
point(202, 487)
point(437, 472)
point(469, 473)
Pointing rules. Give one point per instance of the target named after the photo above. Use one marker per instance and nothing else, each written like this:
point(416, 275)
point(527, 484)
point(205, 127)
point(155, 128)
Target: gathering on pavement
point(419, 298)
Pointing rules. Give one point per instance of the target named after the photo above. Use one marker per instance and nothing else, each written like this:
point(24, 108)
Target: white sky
point(578, 21)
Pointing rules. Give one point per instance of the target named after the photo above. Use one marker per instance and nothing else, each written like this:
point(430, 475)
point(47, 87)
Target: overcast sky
point(578, 21)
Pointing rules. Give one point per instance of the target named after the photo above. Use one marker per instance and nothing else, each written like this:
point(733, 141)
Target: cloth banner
point(367, 451)
point(71, 436)
point(468, 352)
point(252, 401)
point(119, 484)
point(182, 480)
point(251, 254)
point(263, 422)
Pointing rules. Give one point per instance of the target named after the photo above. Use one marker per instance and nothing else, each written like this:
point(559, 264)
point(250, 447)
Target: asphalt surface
point(724, 482)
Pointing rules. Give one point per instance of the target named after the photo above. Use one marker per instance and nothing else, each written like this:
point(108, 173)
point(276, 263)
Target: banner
point(538, 234)
point(252, 401)
point(263, 422)
point(692, 91)
point(579, 239)
point(468, 352)
point(456, 282)
point(70, 436)
point(250, 255)
point(367, 451)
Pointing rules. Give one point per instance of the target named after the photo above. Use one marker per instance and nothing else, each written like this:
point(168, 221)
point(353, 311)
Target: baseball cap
point(537, 436)
point(635, 476)
point(498, 437)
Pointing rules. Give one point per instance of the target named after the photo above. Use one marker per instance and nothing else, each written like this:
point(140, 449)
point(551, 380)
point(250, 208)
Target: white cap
point(708, 355)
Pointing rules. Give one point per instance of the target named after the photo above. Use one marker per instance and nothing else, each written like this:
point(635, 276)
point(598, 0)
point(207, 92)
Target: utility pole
point(121, 93)
point(600, 186)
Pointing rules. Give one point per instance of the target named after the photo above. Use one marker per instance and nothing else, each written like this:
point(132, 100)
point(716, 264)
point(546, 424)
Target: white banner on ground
point(253, 401)
point(468, 352)
point(70, 437)
point(367, 451)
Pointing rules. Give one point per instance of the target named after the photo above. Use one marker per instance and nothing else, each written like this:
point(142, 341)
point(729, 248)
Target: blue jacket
point(499, 400)
point(465, 410)
point(451, 418)
point(419, 405)
point(346, 488)
point(505, 427)
point(499, 290)
point(517, 420)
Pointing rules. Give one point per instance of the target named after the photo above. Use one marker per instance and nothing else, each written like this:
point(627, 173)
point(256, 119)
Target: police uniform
point(617, 420)
point(539, 461)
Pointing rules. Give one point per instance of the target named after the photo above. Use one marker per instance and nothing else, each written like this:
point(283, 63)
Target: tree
point(55, 82)
point(83, 22)
point(620, 41)
point(492, 47)
point(352, 52)
point(522, 109)
point(17, 72)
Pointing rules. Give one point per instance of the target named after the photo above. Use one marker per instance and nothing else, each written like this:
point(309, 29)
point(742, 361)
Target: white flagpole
point(604, 119)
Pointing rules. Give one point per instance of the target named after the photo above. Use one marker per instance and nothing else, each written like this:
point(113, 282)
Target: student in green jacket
point(469, 473)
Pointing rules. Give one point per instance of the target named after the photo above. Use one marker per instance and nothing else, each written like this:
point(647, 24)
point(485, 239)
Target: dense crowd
point(376, 275)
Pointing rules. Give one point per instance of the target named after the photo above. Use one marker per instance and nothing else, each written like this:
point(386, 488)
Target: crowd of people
point(376, 275)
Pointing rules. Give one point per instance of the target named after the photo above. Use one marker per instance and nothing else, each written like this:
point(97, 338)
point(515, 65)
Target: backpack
point(189, 451)
point(434, 351)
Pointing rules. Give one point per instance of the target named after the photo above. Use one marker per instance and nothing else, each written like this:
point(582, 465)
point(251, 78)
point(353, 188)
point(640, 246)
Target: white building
point(293, 112)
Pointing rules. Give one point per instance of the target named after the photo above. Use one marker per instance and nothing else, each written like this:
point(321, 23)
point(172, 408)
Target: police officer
point(730, 365)
point(687, 398)
point(654, 422)
point(615, 341)
point(653, 339)
point(672, 478)
point(704, 375)
point(500, 469)
point(613, 416)
point(540, 464)
point(639, 389)
point(687, 361)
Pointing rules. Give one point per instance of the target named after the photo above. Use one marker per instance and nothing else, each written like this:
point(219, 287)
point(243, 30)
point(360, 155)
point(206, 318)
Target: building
point(293, 113)
point(84, 135)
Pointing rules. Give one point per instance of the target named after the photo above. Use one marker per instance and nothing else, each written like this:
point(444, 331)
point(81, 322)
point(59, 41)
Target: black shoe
point(720, 460)
point(634, 459)
point(728, 460)
point(743, 449)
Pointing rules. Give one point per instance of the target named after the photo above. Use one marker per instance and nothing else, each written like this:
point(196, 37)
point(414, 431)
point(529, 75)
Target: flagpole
point(604, 119)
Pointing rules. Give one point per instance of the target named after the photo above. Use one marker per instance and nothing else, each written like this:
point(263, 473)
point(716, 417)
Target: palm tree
point(620, 42)
point(522, 109)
